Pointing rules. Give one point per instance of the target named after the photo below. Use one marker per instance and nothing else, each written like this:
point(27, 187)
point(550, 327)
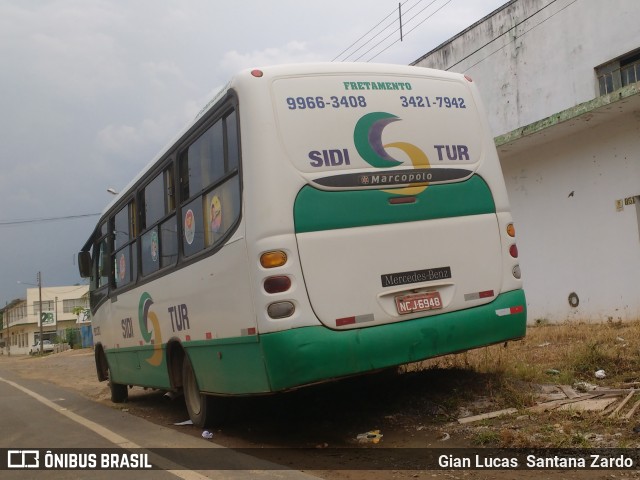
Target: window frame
point(220, 115)
point(167, 170)
point(131, 205)
point(610, 75)
point(228, 105)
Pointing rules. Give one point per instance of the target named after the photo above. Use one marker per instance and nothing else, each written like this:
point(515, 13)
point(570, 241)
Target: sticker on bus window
point(189, 226)
point(215, 214)
point(154, 246)
point(122, 267)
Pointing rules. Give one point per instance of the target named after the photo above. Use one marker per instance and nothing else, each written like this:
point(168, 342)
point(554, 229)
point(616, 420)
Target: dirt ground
point(411, 410)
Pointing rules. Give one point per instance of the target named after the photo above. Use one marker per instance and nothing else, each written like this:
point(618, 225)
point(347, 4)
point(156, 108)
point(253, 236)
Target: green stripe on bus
point(230, 368)
point(130, 367)
point(227, 365)
point(283, 360)
point(317, 210)
point(310, 354)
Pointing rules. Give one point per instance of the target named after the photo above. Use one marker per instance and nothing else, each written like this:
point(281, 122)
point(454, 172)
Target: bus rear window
point(333, 123)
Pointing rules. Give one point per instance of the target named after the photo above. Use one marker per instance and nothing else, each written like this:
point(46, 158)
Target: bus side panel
point(313, 354)
point(229, 367)
point(129, 366)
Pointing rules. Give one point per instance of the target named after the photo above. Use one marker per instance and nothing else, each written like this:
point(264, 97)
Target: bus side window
point(233, 141)
point(124, 259)
point(222, 207)
point(99, 271)
point(102, 260)
point(210, 166)
point(159, 243)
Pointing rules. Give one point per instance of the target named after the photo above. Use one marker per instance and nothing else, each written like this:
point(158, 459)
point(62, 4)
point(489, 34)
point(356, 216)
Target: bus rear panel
point(399, 229)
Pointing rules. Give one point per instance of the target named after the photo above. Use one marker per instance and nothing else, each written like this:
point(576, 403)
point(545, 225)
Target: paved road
point(37, 415)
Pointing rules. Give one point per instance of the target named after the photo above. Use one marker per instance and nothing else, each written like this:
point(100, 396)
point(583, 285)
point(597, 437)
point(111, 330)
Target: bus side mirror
point(84, 264)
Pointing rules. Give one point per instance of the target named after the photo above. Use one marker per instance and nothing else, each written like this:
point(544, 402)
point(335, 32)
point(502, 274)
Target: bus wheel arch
point(102, 367)
point(175, 359)
point(119, 392)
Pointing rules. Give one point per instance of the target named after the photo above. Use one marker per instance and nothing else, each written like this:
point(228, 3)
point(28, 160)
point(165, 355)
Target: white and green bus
point(313, 222)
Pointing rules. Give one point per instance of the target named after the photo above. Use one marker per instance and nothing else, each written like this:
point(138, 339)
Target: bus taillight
point(516, 272)
point(280, 310)
point(513, 251)
point(511, 230)
point(273, 259)
point(278, 284)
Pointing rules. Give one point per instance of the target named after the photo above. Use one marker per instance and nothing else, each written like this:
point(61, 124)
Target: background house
point(20, 317)
point(559, 83)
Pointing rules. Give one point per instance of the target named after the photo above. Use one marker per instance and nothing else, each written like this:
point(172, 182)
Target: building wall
point(564, 180)
point(23, 318)
point(542, 65)
point(571, 237)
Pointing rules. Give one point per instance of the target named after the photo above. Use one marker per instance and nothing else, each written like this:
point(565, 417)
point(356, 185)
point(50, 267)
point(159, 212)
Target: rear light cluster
point(513, 250)
point(277, 284)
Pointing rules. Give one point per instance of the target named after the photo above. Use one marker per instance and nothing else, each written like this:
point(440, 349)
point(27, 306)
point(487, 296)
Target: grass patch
point(561, 354)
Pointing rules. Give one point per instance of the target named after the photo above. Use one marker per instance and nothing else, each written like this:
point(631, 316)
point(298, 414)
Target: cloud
point(292, 52)
point(131, 140)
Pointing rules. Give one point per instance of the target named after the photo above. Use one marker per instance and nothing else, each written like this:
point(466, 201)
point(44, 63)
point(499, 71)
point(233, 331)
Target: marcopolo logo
point(367, 137)
point(153, 336)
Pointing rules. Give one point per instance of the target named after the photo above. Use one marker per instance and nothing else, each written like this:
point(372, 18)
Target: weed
point(507, 376)
point(486, 437)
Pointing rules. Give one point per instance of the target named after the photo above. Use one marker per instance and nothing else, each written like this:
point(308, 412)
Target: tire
point(119, 392)
point(202, 408)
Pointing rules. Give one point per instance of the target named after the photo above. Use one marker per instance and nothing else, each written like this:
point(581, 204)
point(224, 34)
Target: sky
point(92, 90)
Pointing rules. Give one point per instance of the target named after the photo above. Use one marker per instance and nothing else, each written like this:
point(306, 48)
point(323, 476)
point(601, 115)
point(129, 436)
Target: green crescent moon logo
point(144, 317)
point(367, 137)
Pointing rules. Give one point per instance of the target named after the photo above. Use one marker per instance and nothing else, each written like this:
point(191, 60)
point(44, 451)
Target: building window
point(619, 73)
point(47, 306)
point(69, 305)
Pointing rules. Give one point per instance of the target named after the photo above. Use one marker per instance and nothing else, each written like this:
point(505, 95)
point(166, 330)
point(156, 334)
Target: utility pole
point(40, 296)
point(8, 340)
point(400, 18)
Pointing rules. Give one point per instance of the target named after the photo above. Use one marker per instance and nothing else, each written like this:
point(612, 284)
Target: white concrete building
point(559, 82)
point(21, 329)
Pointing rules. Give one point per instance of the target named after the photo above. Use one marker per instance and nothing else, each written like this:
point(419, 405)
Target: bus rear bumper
point(314, 354)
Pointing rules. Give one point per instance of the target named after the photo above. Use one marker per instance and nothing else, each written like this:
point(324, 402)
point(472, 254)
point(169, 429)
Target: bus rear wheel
point(201, 408)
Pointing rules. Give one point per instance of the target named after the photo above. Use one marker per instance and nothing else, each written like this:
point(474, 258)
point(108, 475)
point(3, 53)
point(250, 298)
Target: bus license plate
point(418, 302)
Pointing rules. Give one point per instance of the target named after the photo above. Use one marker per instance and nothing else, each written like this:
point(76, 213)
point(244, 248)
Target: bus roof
point(271, 72)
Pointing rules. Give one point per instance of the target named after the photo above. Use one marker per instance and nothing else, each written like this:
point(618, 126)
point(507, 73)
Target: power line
point(371, 30)
point(408, 21)
point(393, 32)
point(521, 35)
point(501, 35)
point(386, 27)
point(46, 219)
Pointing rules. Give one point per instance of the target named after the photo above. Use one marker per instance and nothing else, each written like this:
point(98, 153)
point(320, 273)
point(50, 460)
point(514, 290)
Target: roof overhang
point(573, 120)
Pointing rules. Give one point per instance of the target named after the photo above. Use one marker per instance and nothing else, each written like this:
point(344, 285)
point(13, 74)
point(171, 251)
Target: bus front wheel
point(119, 392)
point(200, 407)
